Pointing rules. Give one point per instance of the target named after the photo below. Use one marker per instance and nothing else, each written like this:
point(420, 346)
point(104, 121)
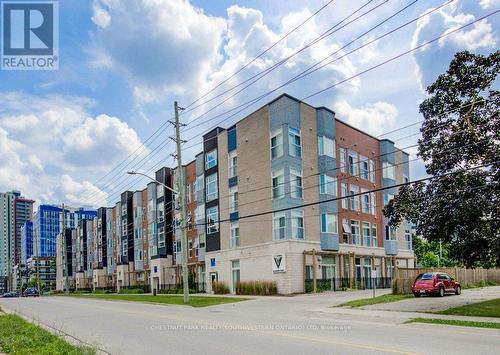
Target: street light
point(184, 239)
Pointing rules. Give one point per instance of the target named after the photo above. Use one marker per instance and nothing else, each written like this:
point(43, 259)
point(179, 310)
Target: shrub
point(220, 288)
point(394, 287)
point(258, 288)
point(131, 290)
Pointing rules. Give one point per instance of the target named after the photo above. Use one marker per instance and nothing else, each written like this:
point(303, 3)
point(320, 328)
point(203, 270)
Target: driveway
point(433, 304)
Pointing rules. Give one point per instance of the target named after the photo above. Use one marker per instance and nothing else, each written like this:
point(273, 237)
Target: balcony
point(391, 247)
point(329, 242)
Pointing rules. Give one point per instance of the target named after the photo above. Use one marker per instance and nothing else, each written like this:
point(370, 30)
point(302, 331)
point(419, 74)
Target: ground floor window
point(235, 273)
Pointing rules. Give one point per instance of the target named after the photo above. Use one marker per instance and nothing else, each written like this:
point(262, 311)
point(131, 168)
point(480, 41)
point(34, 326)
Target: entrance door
point(329, 272)
point(235, 266)
point(368, 273)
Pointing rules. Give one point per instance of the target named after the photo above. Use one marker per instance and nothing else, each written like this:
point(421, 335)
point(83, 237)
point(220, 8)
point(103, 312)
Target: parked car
point(31, 292)
point(10, 294)
point(435, 283)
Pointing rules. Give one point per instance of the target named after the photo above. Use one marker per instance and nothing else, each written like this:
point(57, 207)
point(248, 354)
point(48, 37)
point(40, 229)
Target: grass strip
point(454, 322)
point(489, 308)
point(379, 299)
point(18, 336)
point(194, 301)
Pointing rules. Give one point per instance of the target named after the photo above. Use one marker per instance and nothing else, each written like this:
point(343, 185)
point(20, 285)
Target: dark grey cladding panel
point(210, 139)
point(200, 164)
point(284, 111)
point(325, 123)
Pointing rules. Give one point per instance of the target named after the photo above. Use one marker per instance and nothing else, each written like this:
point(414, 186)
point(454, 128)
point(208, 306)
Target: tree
point(461, 130)
point(431, 254)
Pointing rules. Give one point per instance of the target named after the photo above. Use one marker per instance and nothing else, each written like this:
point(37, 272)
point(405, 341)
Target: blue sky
point(123, 63)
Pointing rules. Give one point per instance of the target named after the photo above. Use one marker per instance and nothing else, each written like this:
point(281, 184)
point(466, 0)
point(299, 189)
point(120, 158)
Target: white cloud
point(486, 4)
point(480, 36)
point(101, 17)
point(76, 193)
point(374, 118)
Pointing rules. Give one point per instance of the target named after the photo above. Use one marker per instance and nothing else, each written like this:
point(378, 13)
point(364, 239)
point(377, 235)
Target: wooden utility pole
point(181, 189)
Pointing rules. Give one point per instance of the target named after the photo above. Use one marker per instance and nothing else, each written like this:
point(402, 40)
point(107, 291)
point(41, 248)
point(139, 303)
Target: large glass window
point(278, 184)
point(326, 146)
point(366, 234)
point(388, 170)
point(374, 235)
point(343, 160)
point(294, 143)
point(297, 224)
point(344, 194)
point(211, 187)
point(353, 190)
point(373, 197)
point(329, 223)
point(355, 232)
point(211, 159)
point(387, 198)
point(233, 165)
point(353, 163)
point(327, 185)
point(233, 199)
point(346, 230)
point(279, 225)
point(372, 170)
point(161, 211)
point(390, 233)
point(365, 170)
point(277, 145)
point(365, 202)
point(212, 220)
point(296, 184)
point(235, 235)
point(408, 239)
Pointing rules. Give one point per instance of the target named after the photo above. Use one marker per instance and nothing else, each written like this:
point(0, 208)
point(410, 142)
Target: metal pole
point(65, 252)
point(37, 266)
point(181, 189)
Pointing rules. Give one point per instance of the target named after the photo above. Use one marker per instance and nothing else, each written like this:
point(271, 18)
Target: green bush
point(131, 291)
point(258, 288)
point(220, 288)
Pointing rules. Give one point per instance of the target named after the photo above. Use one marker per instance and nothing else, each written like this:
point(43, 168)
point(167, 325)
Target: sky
point(70, 135)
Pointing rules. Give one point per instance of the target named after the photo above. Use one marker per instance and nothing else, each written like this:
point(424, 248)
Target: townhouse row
point(289, 194)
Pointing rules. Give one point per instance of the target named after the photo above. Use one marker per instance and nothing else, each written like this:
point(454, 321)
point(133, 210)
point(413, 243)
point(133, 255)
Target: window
point(199, 213)
point(233, 165)
point(346, 230)
point(210, 159)
point(277, 145)
point(161, 211)
point(233, 199)
point(298, 224)
point(353, 163)
point(329, 223)
point(365, 170)
point(201, 240)
point(211, 190)
point(294, 144)
point(234, 242)
point(279, 225)
point(408, 239)
point(388, 171)
point(326, 146)
point(190, 248)
point(387, 198)
point(159, 193)
point(278, 184)
point(188, 193)
point(295, 184)
point(212, 220)
point(373, 196)
point(355, 232)
point(343, 160)
point(200, 183)
point(372, 170)
point(354, 199)
point(161, 237)
point(365, 202)
point(327, 185)
point(390, 233)
point(344, 195)
point(366, 234)
point(374, 235)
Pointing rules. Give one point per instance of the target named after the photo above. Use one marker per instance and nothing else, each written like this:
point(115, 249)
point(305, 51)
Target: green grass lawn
point(379, 299)
point(462, 323)
point(489, 308)
point(18, 336)
point(194, 301)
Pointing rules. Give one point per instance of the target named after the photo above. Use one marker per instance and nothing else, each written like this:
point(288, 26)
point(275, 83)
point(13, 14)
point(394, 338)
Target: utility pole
point(65, 252)
point(181, 188)
point(37, 266)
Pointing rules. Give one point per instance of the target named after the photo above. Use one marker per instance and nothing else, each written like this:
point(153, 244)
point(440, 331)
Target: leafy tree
point(428, 253)
point(461, 130)
point(33, 282)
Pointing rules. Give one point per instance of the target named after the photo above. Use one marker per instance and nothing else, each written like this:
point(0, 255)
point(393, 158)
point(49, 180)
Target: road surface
point(305, 324)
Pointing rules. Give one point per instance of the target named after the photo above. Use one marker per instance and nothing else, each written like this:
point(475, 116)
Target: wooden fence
point(403, 278)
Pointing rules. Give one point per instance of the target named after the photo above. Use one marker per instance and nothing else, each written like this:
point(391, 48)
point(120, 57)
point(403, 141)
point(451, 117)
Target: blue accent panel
point(233, 181)
point(231, 139)
point(387, 151)
point(233, 216)
point(325, 123)
point(327, 165)
point(329, 241)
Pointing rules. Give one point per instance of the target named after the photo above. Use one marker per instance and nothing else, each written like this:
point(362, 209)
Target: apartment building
point(286, 157)
point(7, 238)
point(26, 241)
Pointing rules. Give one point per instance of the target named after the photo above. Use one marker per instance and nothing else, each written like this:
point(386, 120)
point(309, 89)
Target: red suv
point(435, 283)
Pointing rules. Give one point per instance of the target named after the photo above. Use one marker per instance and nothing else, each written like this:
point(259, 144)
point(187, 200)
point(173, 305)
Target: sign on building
point(279, 263)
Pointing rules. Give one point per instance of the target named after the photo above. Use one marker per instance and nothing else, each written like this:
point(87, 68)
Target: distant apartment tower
point(26, 241)
point(7, 238)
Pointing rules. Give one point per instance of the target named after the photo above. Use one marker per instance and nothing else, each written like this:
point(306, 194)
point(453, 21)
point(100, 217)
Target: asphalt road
point(278, 325)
